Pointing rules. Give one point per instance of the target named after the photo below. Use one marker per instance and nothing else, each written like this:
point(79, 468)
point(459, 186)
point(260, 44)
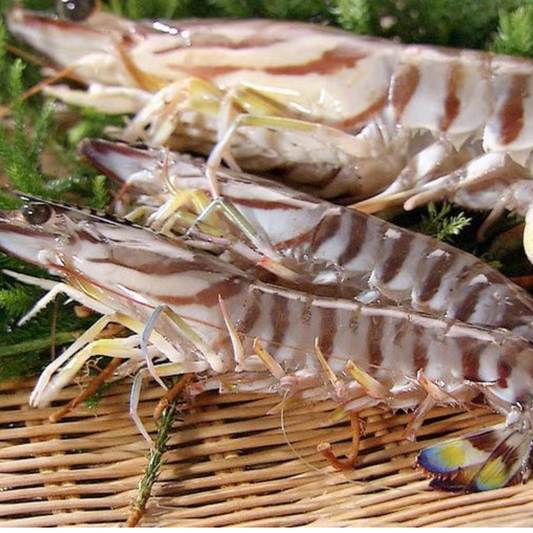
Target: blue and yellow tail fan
point(489, 459)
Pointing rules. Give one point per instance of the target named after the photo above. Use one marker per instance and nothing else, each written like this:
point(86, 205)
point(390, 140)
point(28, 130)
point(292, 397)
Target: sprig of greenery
point(22, 140)
point(20, 150)
point(154, 466)
point(100, 193)
point(515, 33)
point(354, 15)
point(440, 224)
point(16, 300)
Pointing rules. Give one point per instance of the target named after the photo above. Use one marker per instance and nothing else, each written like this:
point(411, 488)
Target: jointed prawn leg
point(162, 370)
point(55, 288)
point(260, 242)
point(349, 463)
point(166, 216)
point(325, 448)
point(224, 114)
point(375, 391)
point(70, 361)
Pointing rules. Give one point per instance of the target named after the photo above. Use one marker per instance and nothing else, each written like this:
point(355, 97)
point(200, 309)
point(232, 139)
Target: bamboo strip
point(229, 463)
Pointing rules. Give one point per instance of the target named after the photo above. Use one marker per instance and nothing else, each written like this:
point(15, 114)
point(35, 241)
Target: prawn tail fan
point(489, 459)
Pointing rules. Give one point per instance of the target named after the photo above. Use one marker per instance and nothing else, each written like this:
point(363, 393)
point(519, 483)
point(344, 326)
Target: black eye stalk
point(37, 213)
point(77, 10)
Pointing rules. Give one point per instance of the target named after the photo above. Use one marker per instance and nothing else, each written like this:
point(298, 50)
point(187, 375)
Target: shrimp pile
point(253, 286)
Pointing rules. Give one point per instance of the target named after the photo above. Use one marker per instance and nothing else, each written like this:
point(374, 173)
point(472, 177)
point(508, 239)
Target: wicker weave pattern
point(229, 463)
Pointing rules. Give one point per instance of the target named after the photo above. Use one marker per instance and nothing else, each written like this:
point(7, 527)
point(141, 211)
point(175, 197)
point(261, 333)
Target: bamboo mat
point(230, 464)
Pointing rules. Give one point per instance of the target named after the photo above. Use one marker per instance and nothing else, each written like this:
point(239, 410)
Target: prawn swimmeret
point(191, 312)
point(347, 117)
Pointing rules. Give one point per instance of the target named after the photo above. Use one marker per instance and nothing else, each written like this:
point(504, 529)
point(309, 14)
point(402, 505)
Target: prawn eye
point(76, 10)
point(37, 213)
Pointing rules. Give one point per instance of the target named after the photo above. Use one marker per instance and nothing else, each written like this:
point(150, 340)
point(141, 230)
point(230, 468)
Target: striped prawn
point(191, 312)
point(346, 117)
point(307, 242)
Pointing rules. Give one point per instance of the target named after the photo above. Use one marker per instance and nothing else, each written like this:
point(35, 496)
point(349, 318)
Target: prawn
point(350, 118)
point(328, 249)
point(192, 312)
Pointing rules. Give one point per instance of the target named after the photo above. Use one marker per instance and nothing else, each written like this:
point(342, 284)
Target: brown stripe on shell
point(280, 319)
point(358, 234)
point(401, 330)
point(325, 230)
point(365, 116)
point(295, 242)
point(403, 87)
point(452, 104)
point(391, 265)
point(464, 309)
point(512, 112)
point(328, 330)
point(505, 367)
point(253, 312)
point(420, 351)
point(434, 273)
point(158, 264)
point(471, 356)
point(207, 297)
point(375, 334)
point(331, 62)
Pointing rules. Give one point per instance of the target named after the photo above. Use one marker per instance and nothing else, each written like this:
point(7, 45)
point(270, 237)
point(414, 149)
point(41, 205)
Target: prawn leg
point(349, 463)
point(325, 448)
point(61, 371)
point(260, 242)
point(163, 370)
point(213, 359)
point(54, 289)
point(268, 258)
point(231, 111)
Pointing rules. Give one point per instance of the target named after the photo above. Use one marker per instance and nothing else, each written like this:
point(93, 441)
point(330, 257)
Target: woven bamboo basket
point(229, 463)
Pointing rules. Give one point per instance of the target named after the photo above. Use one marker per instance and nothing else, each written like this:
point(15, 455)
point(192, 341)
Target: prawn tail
point(489, 459)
